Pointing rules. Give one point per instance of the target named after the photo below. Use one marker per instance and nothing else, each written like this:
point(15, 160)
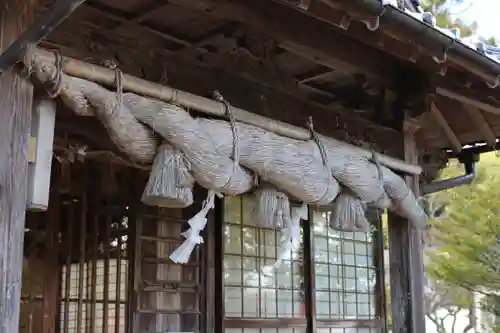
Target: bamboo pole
point(142, 87)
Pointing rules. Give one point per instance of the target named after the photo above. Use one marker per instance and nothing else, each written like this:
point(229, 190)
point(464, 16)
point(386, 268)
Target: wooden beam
point(150, 11)
point(315, 77)
point(301, 34)
point(406, 257)
point(123, 22)
point(55, 14)
point(478, 118)
point(467, 100)
point(448, 131)
point(16, 95)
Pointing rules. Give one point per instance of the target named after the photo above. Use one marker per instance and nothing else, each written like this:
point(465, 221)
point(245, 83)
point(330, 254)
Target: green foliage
point(467, 240)
point(385, 228)
point(443, 17)
point(492, 41)
point(388, 304)
point(465, 255)
point(444, 20)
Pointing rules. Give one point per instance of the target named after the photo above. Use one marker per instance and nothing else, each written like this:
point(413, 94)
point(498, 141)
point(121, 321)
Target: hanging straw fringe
point(170, 184)
point(197, 223)
point(348, 213)
point(271, 205)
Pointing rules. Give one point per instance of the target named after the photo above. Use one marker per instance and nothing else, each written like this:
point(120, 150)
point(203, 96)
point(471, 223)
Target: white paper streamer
point(197, 223)
point(290, 235)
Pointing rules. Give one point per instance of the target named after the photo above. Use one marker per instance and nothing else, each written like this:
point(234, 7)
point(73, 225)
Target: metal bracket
point(469, 159)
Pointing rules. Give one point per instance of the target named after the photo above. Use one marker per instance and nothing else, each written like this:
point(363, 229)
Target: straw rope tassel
point(170, 184)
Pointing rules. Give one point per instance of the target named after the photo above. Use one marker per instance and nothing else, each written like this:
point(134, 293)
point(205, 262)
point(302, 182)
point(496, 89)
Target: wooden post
point(405, 255)
point(16, 96)
point(52, 272)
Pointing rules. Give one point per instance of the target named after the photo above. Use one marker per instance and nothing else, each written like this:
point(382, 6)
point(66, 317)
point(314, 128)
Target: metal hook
point(440, 61)
point(495, 84)
point(445, 55)
point(443, 70)
point(304, 4)
point(345, 22)
point(372, 26)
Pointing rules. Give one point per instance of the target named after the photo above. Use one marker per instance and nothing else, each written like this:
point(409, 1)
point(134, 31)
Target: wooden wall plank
point(16, 96)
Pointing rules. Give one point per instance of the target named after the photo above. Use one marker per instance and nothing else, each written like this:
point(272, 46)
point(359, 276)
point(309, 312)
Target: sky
point(484, 12)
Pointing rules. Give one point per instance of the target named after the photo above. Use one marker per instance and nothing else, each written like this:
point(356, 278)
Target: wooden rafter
point(211, 36)
point(315, 75)
point(327, 47)
point(340, 17)
point(188, 45)
point(478, 118)
point(301, 34)
point(146, 14)
point(448, 131)
point(327, 56)
point(263, 97)
point(466, 100)
point(47, 22)
point(122, 21)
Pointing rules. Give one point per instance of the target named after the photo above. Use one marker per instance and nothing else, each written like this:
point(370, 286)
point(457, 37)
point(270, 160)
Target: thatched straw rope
point(211, 169)
point(403, 199)
point(60, 85)
point(55, 89)
point(296, 167)
point(149, 89)
point(287, 163)
point(127, 133)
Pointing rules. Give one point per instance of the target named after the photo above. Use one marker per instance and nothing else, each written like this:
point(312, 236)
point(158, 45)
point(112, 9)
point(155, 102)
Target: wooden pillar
point(405, 255)
point(53, 268)
point(15, 115)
